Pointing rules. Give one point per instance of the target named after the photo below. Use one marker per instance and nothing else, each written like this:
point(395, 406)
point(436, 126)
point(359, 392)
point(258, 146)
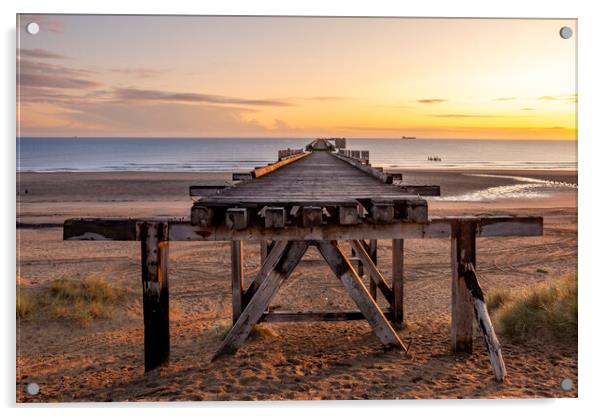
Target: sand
point(302, 361)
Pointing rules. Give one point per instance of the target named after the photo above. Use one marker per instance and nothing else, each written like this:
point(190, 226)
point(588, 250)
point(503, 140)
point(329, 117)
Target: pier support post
point(155, 294)
point(373, 253)
point(397, 284)
point(237, 278)
point(463, 251)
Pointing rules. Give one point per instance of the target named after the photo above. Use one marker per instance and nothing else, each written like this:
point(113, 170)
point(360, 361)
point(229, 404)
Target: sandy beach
point(103, 361)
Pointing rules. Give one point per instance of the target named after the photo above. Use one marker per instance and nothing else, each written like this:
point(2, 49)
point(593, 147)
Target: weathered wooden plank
point(275, 217)
point(482, 315)
point(100, 229)
point(340, 266)
point(308, 316)
point(311, 216)
point(260, 301)
point(372, 250)
point(398, 282)
point(237, 266)
point(242, 176)
point(348, 215)
point(201, 215)
point(374, 273)
point(155, 293)
point(422, 190)
point(382, 211)
point(437, 227)
point(237, 218)
point(209, 188)
point(273, 257)
point(463, 250)
point(378, 174)
point(262, 171)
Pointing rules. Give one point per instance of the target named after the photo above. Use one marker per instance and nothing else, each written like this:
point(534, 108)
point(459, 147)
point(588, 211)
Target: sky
point(196, 76)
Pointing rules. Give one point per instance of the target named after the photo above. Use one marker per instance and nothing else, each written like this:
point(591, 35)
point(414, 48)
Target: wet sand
point(344, 360)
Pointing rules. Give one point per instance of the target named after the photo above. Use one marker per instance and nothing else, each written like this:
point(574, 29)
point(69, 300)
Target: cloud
point(432, 100)
point(527, 109)
point(505, 98)
point(54, 81)
point(547, 98)
point(461, 115)
point(324, 98)
point(139, 72)
point(135, 94)
point(42, 74)
point(39, 54)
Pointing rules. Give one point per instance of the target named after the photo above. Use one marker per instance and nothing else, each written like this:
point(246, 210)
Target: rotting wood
point(261, 299)
point(482, 316)
point(382, 211)
point(237, 218)
point(275, 217)
point(155, 292)
point(312, 216)
point(373, 272)
point(201, 215)
point(348, 215)
point(398, 281)
point(463, 250)
point(339, 264)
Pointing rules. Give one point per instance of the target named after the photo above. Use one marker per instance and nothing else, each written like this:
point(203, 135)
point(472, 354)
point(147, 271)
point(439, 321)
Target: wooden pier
point(317, 197)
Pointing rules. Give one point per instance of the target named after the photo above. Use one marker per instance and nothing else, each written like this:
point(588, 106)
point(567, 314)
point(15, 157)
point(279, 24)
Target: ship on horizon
point(408, 137)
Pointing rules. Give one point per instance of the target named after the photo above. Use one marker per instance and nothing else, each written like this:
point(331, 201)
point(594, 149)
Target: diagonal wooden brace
point(340, 265)
point(375, 274)
point(288, 260)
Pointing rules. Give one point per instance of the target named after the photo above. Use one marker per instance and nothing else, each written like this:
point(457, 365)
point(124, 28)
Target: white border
point(589, 195)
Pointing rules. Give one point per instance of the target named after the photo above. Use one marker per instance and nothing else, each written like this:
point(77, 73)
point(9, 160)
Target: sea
point(242, 154)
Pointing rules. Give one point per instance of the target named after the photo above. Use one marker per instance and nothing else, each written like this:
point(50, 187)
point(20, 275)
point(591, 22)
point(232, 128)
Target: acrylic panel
point(215, 208)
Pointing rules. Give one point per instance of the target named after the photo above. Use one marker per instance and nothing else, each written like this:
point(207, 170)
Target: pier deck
point(314, 198)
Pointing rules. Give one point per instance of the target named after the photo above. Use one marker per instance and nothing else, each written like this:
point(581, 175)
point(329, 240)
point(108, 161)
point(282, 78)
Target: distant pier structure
point(318, 197)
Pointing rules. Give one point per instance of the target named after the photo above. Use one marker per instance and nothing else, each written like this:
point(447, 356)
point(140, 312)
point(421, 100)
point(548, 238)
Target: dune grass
point(547, 311)
point(259, 331)
point(69, 299)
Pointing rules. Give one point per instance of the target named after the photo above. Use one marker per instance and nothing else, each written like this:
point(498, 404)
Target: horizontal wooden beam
point(422, 190)
point(437, 227)
point(377, 173)
point(305, 316)
point(259, 172)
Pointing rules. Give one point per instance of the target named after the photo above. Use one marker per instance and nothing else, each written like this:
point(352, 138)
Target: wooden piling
point(155, 294)
point(463, 251)
point(372, 252)
point(397, 306)
point(237, 278)
point(482, 315)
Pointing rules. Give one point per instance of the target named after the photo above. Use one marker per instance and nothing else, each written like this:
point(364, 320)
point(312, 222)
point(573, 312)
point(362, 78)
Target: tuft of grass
point(498, 298)
point(25, 302)
point(262, 332)
point(259, 331)
point(74, 300)
point(547, 311)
